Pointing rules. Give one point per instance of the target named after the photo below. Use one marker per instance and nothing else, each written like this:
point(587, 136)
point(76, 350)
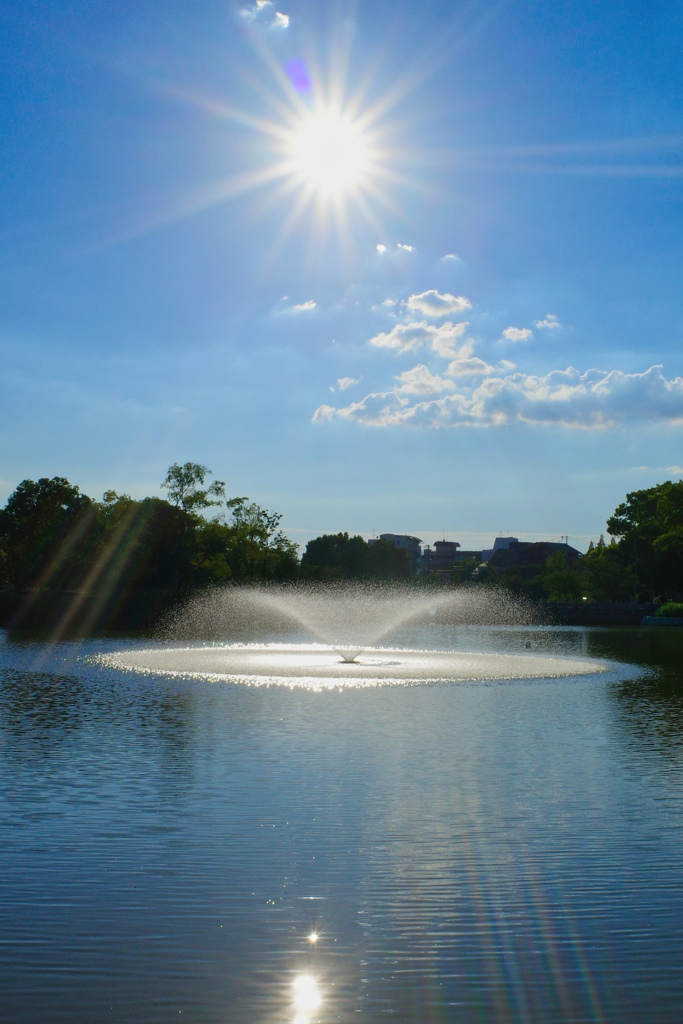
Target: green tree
point(336, 555)
point(257, 547)
point(48, 530)
point(561, 580)
point(649, 529)
point(186, 490)
point(605, 577)
point(388, 562)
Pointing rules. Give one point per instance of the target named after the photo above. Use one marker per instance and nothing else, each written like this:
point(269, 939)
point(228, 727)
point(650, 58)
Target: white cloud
point(389, 302)
point(263, 13)
point(433, 304)
point(343, 383)
point(674, 469)
point(450, 256)
point(324, 412)
point(469, 366)
point(420, 381)
point(408, 337)
point(299, 307)
point(382, 248)
point(517, 334)
point(597, 399)
point(550, 320)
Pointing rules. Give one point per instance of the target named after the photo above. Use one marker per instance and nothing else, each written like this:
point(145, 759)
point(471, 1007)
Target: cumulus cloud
point(450, 256)
point(405, 248)
point(263, 13)
point(468, 365)
point(517, 334)
point(597, 399)
point(431, 303)
point(420, 381)
point(381, 248)
point(408, 337)
point(550, 320)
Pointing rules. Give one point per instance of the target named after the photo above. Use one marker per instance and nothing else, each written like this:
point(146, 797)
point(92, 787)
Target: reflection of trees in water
point(650, 705)
point(40, 709)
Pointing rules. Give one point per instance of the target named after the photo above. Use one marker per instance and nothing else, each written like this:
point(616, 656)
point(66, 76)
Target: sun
point(329, 153)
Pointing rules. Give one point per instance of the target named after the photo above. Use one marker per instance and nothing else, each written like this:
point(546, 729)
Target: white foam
point(315, 664)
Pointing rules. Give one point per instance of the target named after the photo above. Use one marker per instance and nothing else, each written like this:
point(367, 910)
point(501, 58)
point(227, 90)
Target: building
point(444, 557)
point(515, 554)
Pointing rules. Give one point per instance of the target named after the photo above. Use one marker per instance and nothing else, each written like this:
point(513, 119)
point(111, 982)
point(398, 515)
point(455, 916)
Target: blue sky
point(478, 329)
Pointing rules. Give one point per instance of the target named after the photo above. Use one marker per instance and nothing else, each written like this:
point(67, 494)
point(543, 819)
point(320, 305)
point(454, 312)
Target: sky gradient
point(482, 333)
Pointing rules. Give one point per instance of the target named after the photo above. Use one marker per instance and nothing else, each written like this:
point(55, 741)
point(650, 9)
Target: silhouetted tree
point(48, 531)
point(185, 485)
point(338, 556)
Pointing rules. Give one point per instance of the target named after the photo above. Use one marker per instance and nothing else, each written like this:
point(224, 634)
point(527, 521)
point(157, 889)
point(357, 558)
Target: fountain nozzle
point(349, 657)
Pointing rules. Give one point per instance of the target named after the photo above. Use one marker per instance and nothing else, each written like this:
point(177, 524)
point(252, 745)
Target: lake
point(184, 849)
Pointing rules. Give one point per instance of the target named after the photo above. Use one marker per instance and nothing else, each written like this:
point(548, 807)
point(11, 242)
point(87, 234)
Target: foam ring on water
point(315, 664)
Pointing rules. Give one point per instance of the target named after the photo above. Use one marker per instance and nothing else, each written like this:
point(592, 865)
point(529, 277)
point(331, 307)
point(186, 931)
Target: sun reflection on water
point(307, 998)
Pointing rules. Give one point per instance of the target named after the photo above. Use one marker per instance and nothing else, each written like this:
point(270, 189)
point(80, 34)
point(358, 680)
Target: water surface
point(468, 852)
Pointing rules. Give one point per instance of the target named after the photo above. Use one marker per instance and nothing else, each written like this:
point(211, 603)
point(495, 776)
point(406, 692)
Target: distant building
point(517, 553)
point(412, 545)
point(499, 544)
point(443, 557)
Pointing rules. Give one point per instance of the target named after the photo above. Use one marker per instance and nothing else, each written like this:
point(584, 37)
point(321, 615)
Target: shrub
point(672, 609)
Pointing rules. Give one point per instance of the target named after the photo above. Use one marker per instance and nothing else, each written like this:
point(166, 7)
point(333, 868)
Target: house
point(515, 554)
point(443, 558)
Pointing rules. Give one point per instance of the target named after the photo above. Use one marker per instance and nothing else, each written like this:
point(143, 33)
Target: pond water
point(177, 848)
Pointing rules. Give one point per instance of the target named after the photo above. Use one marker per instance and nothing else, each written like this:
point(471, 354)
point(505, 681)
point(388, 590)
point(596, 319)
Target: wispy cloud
point(298, 307)
point(597, 399)
point(344, 383)
point(263, 13)
point(450, 257)
point(550, 320)
point(517, 334)
point(431, 303)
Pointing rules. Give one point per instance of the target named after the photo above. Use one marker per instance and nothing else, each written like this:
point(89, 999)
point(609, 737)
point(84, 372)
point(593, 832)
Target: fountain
point(347, 624)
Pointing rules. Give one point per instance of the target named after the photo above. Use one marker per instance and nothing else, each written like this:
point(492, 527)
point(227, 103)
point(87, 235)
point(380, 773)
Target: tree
point(561, 580)
point(258, 549)
point(649, 529)
point(186, 490)
point(338, 556)
point(48, 529)
point(605, 577)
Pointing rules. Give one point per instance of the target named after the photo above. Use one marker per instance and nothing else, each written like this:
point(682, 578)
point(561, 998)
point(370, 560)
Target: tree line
point(643, 562)
point(55, 539)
